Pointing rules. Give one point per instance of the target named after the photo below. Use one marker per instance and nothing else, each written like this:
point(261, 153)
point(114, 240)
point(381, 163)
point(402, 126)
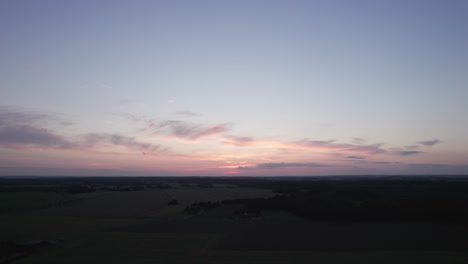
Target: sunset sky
point(233, 88)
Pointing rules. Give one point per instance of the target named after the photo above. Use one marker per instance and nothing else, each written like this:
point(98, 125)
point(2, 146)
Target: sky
point(233, 88)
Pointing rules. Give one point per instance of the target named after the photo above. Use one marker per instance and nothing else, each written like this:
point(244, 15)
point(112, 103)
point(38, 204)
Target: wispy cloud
point(133, 117)
point(359, 141)
point(238, 141)
point(187, 113)
point(193, 132)
point(13, 116)
point(66, 123)
point(355, 157)
point(409, 152)
point(356, 151)
point(178, 128)
point(343, 147)
point(23, 129)
point(429, 143)
point(437, 166)
point(26, 136)
point(279, 165)
point(95, 139)
point(188, 131)
point(274, 165)
point(20, 128)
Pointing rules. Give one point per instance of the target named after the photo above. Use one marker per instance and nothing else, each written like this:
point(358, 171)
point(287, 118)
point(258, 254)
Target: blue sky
point(225, 87)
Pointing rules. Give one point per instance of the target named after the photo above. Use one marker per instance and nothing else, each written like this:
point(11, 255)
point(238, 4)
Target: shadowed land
point(232, 220)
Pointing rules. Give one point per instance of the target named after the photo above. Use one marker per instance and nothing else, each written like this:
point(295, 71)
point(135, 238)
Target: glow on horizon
point(233, 88)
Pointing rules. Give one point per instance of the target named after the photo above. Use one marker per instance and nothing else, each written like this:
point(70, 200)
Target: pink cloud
point(279, 165)
point(189, 131)
point(331, 145)
point(306, 144)
point(238, 141)
point(21, 129)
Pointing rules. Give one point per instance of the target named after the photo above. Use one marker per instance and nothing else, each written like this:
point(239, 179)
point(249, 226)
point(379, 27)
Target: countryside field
point(142, 227)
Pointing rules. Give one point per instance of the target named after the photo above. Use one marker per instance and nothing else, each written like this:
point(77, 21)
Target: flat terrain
point(141, 227)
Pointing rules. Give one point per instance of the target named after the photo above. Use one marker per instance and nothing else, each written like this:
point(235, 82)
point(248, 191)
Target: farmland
point(134, 222)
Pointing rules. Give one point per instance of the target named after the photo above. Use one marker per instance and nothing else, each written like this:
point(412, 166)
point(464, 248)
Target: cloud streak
point(91, 140)
point(332, 145)
point(187, 113)
point(187, 131)
point(437, 166)
point(238, 141)
point(26, 136)
point(359, 141)
point(355, 151)
point(355, 157)
point(178, 128)
point(25, 130)
point(274, 165)
point(9, 116)
point(20, 129)
point(194, 132)
point(134, 118)
point(429, 143)
point(409, 152)
point(279, 165)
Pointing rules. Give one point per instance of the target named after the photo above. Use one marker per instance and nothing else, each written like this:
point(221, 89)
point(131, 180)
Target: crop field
point(135, 204)
point(356, 237)
point(140, 226)
point(112, 205)
point(83, 222)
point(189, 195)
point(111, 247)
point(20, 201)
point(25, 227)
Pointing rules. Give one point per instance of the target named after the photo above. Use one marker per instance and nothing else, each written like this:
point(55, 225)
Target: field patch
point(301, 235)
point(23, 201)
point(114, 205)
point(316, 236)
point(186, 196)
